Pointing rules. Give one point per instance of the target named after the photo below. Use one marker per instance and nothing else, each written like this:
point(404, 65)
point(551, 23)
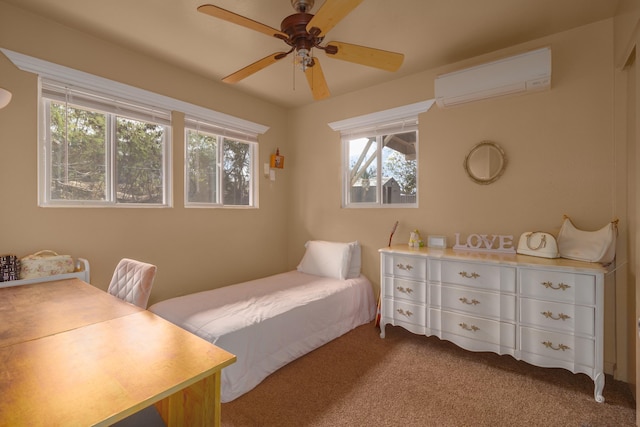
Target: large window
point(101, 151)
point(105, 143)
point(380, 157)
point(220, 167)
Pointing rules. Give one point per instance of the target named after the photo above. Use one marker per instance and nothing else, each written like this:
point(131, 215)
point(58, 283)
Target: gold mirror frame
point(485, 162)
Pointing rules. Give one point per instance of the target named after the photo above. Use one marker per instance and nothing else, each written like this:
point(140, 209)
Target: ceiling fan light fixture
point(302, 6)
point(304, 59)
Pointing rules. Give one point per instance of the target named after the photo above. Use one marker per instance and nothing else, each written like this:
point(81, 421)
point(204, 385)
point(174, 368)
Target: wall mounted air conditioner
point(528, 71)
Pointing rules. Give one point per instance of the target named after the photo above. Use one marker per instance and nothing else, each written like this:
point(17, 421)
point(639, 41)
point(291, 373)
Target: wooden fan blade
point(369, 56)
point(254, 68)
point(218, 12)
point(329, 14)
point(317, 82)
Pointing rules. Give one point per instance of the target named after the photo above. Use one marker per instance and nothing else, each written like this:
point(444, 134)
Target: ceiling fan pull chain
point(293, 72)
point(313, 76)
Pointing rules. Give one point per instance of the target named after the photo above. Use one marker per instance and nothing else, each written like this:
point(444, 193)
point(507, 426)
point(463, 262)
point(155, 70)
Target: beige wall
point(559, 144)
point(194, 249)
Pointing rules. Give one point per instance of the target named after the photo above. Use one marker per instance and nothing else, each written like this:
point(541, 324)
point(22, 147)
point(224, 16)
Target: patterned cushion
point(132, 281)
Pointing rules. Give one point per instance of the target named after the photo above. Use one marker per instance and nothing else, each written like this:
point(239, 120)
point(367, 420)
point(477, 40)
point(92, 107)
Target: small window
point(219, 167)
point(383, 169)
point(100, 151)
point(380, 157)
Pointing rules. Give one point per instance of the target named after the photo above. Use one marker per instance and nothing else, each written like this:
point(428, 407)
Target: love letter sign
point(486, 243)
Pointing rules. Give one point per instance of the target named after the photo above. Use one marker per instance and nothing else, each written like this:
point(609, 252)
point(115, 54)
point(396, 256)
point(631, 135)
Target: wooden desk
point(71, 354)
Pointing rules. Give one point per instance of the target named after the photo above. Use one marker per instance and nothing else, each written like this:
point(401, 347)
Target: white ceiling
point(430, 33)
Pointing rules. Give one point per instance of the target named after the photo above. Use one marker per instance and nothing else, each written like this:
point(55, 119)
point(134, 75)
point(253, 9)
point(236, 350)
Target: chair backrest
point(132, 281)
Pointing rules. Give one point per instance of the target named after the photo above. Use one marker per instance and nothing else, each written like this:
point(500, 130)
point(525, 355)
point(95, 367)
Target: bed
point(271, 321)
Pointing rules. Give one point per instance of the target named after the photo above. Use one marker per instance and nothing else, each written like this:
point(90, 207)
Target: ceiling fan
point(303, 32)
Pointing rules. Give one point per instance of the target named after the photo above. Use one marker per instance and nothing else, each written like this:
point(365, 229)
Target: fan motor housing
point(295, 26)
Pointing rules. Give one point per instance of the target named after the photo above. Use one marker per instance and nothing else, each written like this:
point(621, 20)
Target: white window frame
point(200, 125)
point(395, 120)
point(112, 108)
point(80, 79)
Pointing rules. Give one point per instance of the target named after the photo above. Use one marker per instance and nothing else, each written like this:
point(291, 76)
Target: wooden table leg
point(193, 406)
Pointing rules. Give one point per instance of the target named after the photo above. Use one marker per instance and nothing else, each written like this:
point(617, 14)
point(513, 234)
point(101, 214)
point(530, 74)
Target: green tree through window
point(383, 169)
point(219, 170)
point(82, 140)
point(78, 153)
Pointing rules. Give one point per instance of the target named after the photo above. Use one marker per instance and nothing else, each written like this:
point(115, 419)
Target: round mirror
point(485, 162)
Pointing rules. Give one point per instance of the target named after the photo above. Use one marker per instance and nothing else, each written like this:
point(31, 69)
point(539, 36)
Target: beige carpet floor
point(360, 379)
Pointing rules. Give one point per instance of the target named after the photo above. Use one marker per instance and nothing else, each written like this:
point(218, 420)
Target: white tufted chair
point(132, 281)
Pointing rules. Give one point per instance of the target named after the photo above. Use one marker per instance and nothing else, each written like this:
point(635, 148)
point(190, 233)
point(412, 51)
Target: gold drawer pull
point(561, 286)
point(471, 328)
point(403, 290)
point(474, 301)
point(562, 347)
point(408, 313)
point(469, 276)
point(407, 267)
point(549, 315)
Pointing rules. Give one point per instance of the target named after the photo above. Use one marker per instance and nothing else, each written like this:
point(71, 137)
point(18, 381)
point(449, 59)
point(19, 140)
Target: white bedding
point(271, 321)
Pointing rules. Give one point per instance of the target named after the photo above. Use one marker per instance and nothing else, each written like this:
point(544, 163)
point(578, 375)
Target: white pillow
point(355, 260)
point(328, 259)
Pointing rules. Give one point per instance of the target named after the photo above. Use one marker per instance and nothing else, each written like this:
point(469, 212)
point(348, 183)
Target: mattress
point(271, 321)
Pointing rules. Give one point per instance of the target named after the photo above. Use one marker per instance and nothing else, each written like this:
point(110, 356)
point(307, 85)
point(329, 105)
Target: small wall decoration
point(486, 243)
point(277, 161)
point(485, 163)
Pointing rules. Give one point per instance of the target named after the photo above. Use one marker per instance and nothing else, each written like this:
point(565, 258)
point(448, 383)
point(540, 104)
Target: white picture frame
point(437, 242)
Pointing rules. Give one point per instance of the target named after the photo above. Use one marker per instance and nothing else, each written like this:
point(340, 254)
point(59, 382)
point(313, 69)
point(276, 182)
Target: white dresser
point(547, 312)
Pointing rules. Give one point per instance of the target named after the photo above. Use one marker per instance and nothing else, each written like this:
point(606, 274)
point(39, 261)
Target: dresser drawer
point(487, 276)
point(552, 345)
point(406, 266)
point(485, 330)
point(475, 302)
point(567, 318)
point(405, 289)
point(404, 311)
point(558, 286)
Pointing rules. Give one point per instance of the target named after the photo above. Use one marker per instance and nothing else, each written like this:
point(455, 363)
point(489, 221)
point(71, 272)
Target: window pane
point(362, 154)
point(139, 161)
point(399, 166)
point(78, 153)
point(237, 173)
point(202, 168)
